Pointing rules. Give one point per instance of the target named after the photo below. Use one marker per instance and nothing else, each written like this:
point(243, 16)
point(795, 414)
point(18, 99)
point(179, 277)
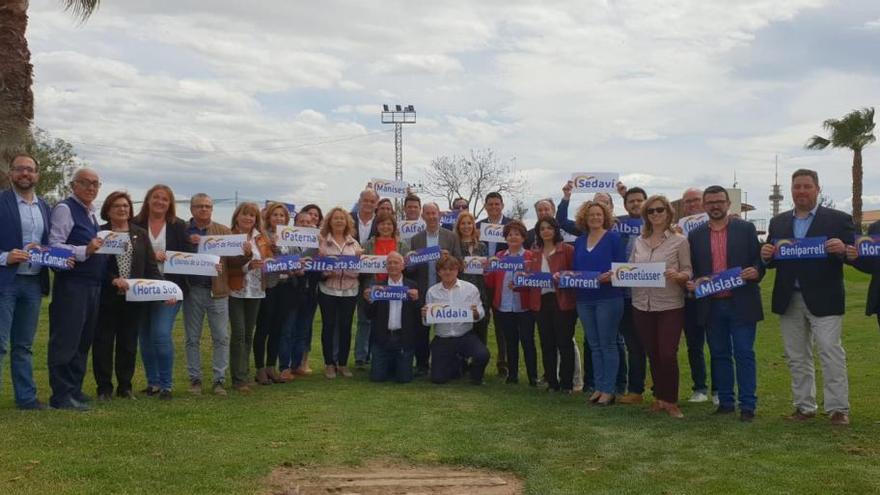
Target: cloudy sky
point(281, 99)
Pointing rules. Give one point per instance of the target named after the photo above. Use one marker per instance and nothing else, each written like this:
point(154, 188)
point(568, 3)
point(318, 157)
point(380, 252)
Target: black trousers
point(337, 314)
point(695, 335)
point(118, 325)
point(73, 316)
point(635, 352)
point(422, 346)
point(449, 352)
point(519, 329)
point(274, 311)
point(556, 328)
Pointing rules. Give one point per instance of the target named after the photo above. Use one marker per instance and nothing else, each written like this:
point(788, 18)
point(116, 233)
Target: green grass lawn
point(555, 443)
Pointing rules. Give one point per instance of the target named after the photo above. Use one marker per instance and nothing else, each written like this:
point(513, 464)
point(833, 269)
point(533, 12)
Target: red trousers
point(660, 332)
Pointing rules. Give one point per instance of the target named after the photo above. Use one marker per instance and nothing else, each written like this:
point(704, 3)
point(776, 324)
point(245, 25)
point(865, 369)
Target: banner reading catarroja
point(390, 188)
point(638, 274)
point(142, 289)
point(191, 263)
point(114, 242)
point(223, 245)
point(448, 313)
point(294, 236)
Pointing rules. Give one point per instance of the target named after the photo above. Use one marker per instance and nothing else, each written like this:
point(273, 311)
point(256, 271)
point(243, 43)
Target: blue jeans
point(600, 320)
point(732, 340)
point(157, 347)
point(296, 335)
point(19, 313)
point(391, 362)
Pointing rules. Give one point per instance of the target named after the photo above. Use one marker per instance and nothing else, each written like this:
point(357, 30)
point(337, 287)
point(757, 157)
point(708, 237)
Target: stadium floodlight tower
point(397, 115)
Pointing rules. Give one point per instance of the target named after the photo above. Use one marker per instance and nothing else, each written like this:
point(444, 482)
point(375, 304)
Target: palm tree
point(16, 75)
point(854, 131)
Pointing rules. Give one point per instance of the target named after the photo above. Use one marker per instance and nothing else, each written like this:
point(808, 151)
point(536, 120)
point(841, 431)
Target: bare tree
point(518, 210)
point(472, 177)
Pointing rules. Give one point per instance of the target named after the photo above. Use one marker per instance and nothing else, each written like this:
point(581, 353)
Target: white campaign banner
point(447, 313)
point(114, 242)
point(492, 232)
point(691, 222)
point(593, 182)
point(373, 263)
point(390, 188)
point(223, 245)
point(142, 289)
point(293, 236)
point(638, 274)
point(473, 265)
point(191, 263)
point(409, 228)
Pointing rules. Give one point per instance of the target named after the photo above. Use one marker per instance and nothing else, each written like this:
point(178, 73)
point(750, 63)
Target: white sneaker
point(715, 400)
point(698, 397)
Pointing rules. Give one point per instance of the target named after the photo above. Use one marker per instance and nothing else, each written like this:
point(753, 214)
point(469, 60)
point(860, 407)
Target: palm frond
point(817, 143)
point(81, 8)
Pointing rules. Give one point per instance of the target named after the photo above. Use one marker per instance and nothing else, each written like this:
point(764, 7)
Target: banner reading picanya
point(638, 274)
point(142, 289)
point(448, 313)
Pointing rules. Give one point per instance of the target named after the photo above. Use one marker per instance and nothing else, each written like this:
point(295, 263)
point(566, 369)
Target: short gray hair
point(198, 196)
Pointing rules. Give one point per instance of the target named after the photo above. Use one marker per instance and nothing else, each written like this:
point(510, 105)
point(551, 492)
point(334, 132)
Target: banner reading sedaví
point(638, 274)
point(796, 249)
point(424, 255)
point(473, 265)
point(506, 264)
point(535, 280)
point(331, 263)
point(593, 182)
point(223, 245)
point(390, 188)
point(282, 264)
point(373, 263)
point(448, 313)
point(409, 228)
point(578, 280)
point(868, 245)
point(53, 257)
point(191, 263)
point(719, 282)
point(492, 232)
point(114, 242)
point(389, 293)
point(142, 289)
point(293, 236)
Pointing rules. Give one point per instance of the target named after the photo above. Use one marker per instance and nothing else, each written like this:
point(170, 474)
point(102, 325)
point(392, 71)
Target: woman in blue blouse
point(600, 309)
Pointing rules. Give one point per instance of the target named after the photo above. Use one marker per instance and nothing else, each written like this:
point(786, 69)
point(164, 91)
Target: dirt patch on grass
point(390, 479)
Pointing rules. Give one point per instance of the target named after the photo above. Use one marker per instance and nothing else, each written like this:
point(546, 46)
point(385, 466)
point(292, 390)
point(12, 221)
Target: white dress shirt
point(461, 294)
point(395, 308)
point(364, 228)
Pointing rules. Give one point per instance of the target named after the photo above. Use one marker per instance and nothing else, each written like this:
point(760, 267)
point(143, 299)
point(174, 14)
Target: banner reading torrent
point(719, 282)
point(638, 274)
point(223, 245)
point(191, 263)
point(448, 313)
point(114, 242)
point(570, 279)
point(798, 249)
point(593, 182)
point(293, 236)
point(492, 232)
point(868, 245)
point(53, 257)
point(390, 188)
point(389, 293)
point(142, 289)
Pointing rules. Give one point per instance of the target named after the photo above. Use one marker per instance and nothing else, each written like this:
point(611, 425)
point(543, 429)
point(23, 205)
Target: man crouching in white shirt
point(455, 343)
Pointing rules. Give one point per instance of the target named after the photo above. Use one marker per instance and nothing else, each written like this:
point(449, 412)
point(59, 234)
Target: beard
point(24, 184)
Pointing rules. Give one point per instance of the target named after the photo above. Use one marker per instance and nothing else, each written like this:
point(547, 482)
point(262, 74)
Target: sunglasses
point(658, 210)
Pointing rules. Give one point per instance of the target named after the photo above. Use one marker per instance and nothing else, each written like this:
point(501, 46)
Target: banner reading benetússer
point(719, 282)
point(638, 274)
point(330, 263)
point(593, 182)
point(389, 292)
point(53, 257)
point(142, 289)
point(294, 236)
point(571, 279)
point(282, 264)
point(191, 263)
point(223, 245)
point(373, 263)
point(447, 313)
point(114, 242)
point(390, 188)
point(795, 249)
point(868, 245)
point(533, 280)
point(473, 265)
point(424, 255)
point(492, 232)
point(506, 264)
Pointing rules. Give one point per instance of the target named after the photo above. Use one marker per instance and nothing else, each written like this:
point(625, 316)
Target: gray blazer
point(448, 241)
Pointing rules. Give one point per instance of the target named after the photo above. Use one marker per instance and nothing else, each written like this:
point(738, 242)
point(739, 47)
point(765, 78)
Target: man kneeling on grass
point(455, 345)
point(393, 323)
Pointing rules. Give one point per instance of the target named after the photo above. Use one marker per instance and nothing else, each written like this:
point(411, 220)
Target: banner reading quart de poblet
point(223, 245)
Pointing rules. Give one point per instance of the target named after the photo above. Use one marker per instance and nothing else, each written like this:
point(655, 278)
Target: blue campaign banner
point(330, 263)
point(291, 208)
point(868, 245)
point(424, 255)
point(53, 257)
point(578, 280)
point(719, 282)
point(798, 249)
point(630, 226)
point(286, 263)
point(389, 293)
point(449, 217)
point(536, 280)
point(506, 264)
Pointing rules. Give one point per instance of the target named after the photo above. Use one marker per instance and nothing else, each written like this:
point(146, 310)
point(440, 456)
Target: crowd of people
point(268, 317)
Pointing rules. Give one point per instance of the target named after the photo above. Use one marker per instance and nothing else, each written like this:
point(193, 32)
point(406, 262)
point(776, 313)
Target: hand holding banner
point(796, 249)
point(719, 282)
point(294, 236)
point(191, 263)
point(448, 313)
point(142, 289)
point(114, 242)
point(593, 182)
point(638, 274)
point(223, 245)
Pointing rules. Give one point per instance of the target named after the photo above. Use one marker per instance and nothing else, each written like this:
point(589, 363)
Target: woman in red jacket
point(554, 309)
point(512, 314)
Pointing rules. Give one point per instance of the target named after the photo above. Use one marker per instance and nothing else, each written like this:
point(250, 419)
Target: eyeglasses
point(202, 207)
point(461, 207)
point(22, 170)
point(88, 183)
point(658, 210)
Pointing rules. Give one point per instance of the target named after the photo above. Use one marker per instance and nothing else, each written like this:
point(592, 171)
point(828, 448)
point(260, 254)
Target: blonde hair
point(647, 228)
point(457, 229)
point(251, 208)
point(267, 214)
point(580, 218)
point(349, 222)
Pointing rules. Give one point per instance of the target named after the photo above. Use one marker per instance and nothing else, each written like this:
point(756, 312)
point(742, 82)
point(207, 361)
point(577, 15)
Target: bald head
point(431, 216)
point(394, 263)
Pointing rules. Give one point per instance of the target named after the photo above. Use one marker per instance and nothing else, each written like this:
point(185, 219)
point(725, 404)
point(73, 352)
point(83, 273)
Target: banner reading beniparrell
point(389, 293)
point(294, 236)
point(191, 263)
point(114, 242)
point(797, 249)
point(719, 282)
point(593, 182)
point(448, 313)
point(223, 245)
point(571, 279)
point(533, 280)
point(390, 188)
point(492, 232)
point(282, 264)
point(424, 255)
point(53, 257)
point(142, 289)
point(638, 274)
point(868, 245)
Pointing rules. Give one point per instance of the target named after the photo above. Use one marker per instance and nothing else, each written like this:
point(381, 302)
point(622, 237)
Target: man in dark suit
point(494, 205)
point(25, 221)
point(869, 264)
point(731, 316)
point(808, 294)
point(425, 274)
point(394, 325)
point(364, 228)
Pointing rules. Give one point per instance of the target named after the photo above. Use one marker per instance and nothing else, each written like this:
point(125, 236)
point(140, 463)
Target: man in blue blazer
point(25, 221)
point(870, 265)
point(494, 205)
point(731, 316)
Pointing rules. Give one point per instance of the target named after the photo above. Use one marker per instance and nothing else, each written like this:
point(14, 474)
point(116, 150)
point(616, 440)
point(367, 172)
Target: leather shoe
point(723, 410)
point(839, 418)
point(81, 397)
point(125, 394)
point(746, 416)
point(72, 404)
point(105, 397)
point(799, 415)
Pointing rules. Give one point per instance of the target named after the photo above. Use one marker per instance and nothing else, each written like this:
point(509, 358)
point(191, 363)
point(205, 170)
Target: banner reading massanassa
point(719, 282)
point(424, 255)
point(593, 182)
point(448, 313)
point(797, 249)
point(191, 263)
point(868, 245)
point(114, 242)
point(638, 274)
point(142, 289)
point(223, 245)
